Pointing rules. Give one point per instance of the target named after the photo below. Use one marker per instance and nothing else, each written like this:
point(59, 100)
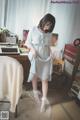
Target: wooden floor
point(64, 108)
point(66, 111)
point(62, 104)
point(61, 108)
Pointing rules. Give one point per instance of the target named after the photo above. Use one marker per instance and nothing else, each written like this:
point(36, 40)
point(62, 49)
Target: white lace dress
point(42, 64)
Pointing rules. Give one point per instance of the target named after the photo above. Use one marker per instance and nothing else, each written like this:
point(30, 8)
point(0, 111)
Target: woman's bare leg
point(34, 82)
point(35, 90)
point(45, 88)
point(44, 97)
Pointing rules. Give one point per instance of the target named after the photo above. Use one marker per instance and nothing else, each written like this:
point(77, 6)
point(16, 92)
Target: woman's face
point(47, 27)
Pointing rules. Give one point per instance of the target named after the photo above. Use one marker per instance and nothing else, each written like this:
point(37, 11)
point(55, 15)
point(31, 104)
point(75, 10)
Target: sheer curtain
point(24, 14)
point(2, 12)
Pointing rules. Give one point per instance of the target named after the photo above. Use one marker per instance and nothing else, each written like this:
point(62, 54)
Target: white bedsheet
point(11, 79)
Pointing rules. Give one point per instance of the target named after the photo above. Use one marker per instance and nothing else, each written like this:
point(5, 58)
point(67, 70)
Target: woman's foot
point(44, 104)
point(37, 96)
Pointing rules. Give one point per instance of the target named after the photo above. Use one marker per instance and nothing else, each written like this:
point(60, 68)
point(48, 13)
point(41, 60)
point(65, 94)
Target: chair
point(11, 80)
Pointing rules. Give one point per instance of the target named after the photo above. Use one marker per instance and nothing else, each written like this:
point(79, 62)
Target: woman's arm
point(29, 44)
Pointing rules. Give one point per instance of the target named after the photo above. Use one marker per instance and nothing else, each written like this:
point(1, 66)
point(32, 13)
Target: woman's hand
point(34, 53)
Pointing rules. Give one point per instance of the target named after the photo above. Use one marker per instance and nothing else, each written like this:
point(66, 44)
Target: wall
point(67, 21)
point(76, 26)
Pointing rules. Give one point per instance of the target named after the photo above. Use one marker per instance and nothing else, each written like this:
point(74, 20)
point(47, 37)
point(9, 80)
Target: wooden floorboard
point(66, 111)
point(63, 105)
point(72, 109)
point(58, 113)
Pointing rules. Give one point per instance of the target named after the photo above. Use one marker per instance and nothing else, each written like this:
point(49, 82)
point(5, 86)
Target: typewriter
point(9, 49)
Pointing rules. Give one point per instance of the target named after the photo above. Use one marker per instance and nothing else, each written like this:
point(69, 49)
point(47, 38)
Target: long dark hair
point(47, 18)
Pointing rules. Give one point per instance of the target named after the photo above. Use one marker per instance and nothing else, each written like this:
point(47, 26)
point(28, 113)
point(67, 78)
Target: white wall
point(76, 26)
point(67, 21)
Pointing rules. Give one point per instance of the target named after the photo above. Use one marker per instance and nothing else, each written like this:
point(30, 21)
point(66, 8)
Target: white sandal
point(44, 104)
point(37, 96)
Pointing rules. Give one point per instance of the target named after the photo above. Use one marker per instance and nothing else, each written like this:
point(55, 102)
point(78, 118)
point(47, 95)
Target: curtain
point(17, 15)
point(24, 14)
point(2, 12)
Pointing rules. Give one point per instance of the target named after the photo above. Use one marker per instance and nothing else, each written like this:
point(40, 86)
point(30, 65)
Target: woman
point(39, 41)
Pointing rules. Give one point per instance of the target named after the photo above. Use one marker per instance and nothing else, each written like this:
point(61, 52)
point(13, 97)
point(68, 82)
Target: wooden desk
point(23, 59)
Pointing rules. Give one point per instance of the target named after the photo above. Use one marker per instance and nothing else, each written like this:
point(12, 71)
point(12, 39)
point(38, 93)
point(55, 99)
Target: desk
point(23, 59)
